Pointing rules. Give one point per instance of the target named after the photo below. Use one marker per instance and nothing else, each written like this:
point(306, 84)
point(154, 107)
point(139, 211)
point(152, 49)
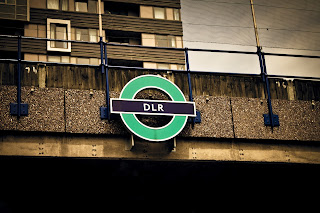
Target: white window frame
point(59, 21)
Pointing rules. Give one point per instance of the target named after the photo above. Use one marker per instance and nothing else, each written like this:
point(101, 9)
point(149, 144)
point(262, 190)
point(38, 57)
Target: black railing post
point(105, 111)
point(107, 81)
point(270, 119)
point(19, 108)
point(188, 73)
point(197, 119)
point(19, 78)
point(101, 55)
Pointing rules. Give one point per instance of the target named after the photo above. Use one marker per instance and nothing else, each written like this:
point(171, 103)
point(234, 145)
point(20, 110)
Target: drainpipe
point(100, 19)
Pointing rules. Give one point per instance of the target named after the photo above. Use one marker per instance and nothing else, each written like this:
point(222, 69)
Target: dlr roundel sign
point(128, 107)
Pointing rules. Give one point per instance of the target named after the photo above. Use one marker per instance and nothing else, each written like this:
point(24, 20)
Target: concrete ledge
point(187, 149)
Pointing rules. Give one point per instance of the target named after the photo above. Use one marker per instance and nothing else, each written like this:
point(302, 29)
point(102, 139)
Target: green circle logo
point(128, 107)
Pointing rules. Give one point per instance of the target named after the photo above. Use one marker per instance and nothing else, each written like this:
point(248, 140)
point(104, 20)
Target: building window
point(163, 66)
point(87, 35)
point(165, 41)
point(58, 31)
point(93, 35)
point(86, 6)
point(123, 37)
point(161, 41)
point(159, 13)
point(8, 1)
point(120, 8)
point(92, 6)
point(61, 30)
point(58, 4)
point(153, 65)
point(176, 15)
point(59, 59)
point(81, 6)
point(172, 41)
point(82, 34)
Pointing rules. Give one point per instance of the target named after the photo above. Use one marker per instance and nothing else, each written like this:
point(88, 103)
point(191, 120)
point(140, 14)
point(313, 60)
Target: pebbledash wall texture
point(77, 111)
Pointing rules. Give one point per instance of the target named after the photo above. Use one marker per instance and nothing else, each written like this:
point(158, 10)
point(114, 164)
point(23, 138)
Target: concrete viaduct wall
point(66, 121)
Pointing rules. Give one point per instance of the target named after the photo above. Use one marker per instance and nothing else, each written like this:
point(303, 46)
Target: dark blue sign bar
point(152, 107)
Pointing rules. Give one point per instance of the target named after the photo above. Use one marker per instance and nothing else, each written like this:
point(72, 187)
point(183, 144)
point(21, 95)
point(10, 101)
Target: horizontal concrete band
point(77, 111)
point(185, 149)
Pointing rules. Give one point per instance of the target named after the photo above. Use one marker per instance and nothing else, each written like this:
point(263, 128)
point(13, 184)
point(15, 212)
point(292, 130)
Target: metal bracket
point(104, 112)
point(174, 145)
point(197, 119)
point(14, 110)
point(130, 144)
point(267, 120)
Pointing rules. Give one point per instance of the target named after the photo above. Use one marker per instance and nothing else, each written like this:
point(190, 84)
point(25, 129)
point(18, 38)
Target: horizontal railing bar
point(172, 70)
point(292, 55)
point(223, 51)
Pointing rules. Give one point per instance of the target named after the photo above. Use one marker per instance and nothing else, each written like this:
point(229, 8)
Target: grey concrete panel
point(83, 113)
point(8, 94)
point(299, 120)
point(46, 110)
point(216, 118)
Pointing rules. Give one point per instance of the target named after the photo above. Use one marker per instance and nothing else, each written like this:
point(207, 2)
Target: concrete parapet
point(77, 111)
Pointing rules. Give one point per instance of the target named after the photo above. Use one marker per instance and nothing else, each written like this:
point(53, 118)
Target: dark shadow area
point(91, 185)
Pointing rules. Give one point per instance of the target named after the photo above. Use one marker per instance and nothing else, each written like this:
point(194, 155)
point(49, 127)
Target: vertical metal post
point(197, 119)
point(188, 72)
point(105, 111)
point(107, 81)
point(19, 108)
point(270, 119)
point(101, 55)
point(19, 78)
point(261, 64)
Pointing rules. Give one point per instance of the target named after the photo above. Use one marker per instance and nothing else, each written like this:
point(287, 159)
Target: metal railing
point(21, 109)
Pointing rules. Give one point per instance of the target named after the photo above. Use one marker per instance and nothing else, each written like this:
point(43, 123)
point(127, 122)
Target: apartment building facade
point(134, 23)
